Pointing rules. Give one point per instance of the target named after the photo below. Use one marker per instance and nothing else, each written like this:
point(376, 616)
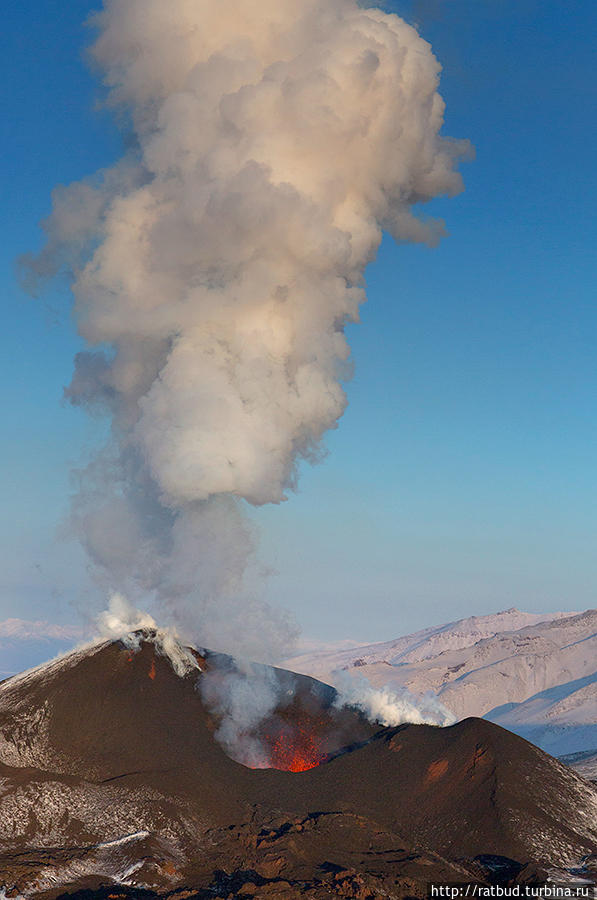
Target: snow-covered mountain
point(535, 675)
point(561, 719)
point(585, 763)
point(421, 645)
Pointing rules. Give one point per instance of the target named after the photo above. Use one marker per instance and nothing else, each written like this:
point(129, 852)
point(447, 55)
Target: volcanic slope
point(111, 775)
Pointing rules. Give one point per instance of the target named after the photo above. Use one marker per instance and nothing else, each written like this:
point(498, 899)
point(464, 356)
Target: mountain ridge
point(500, 676)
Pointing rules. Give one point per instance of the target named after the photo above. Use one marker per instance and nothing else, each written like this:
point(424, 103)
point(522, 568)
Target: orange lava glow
point(295, 752)
point(152, 670)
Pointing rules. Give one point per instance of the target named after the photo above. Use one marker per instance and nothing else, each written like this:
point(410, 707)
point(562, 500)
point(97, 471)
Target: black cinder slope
point(472, 788)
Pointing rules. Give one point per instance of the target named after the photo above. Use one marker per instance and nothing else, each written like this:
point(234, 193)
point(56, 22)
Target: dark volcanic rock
point(470, 789)
point(111, 781)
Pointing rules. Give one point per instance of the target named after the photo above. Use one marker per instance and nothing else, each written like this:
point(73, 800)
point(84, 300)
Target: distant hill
point(584, 763)
point(535, 675)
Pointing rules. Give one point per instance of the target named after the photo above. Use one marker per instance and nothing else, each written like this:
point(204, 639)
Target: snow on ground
point(533, 674)
point(585, 763)
point(561, 720)
point(421, 645)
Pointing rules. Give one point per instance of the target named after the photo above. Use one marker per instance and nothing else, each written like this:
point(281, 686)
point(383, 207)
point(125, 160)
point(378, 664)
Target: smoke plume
point(216, 265)
point(241, 695)
point(122, 622)
point(390, 707)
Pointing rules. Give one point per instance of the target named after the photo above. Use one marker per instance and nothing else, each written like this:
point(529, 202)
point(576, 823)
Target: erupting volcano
point(112, 775)
point(215, 268)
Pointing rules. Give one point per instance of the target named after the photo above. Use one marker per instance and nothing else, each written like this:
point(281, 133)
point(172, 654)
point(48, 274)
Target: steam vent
point(118, 780)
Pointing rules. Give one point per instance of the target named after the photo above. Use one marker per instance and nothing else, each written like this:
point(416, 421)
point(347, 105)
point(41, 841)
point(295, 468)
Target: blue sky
point(462, 477)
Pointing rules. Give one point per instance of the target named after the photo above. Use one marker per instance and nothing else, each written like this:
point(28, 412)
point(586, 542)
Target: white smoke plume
point(122, 622)
point(241, 698)
point(390, 707)
point(215, 267)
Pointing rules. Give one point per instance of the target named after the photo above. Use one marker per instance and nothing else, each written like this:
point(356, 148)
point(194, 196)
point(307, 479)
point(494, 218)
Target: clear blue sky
point(462, 478)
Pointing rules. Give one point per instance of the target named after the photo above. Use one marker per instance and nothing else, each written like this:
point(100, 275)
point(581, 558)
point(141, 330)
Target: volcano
point(113, 783)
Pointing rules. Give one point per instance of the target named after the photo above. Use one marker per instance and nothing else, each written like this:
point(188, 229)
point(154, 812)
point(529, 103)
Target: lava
point(295, 749)
point(291, 758)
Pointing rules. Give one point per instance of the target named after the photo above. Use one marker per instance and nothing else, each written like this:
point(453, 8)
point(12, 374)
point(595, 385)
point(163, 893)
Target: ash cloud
point(215, 267)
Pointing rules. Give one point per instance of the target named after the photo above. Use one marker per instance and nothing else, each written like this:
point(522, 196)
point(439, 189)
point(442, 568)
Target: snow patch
point(127, 839)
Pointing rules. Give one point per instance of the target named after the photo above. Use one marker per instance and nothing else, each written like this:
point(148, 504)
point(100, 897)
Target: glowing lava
point(295, 751)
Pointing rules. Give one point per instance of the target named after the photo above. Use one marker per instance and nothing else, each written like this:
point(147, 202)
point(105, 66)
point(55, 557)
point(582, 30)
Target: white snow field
point(533, 674)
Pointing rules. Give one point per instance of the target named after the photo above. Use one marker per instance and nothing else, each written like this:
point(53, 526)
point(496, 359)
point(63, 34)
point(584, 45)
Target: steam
point(390, 707)
point(215, 267)
point(122, 622)
point(246, 701)
point(241, 698)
